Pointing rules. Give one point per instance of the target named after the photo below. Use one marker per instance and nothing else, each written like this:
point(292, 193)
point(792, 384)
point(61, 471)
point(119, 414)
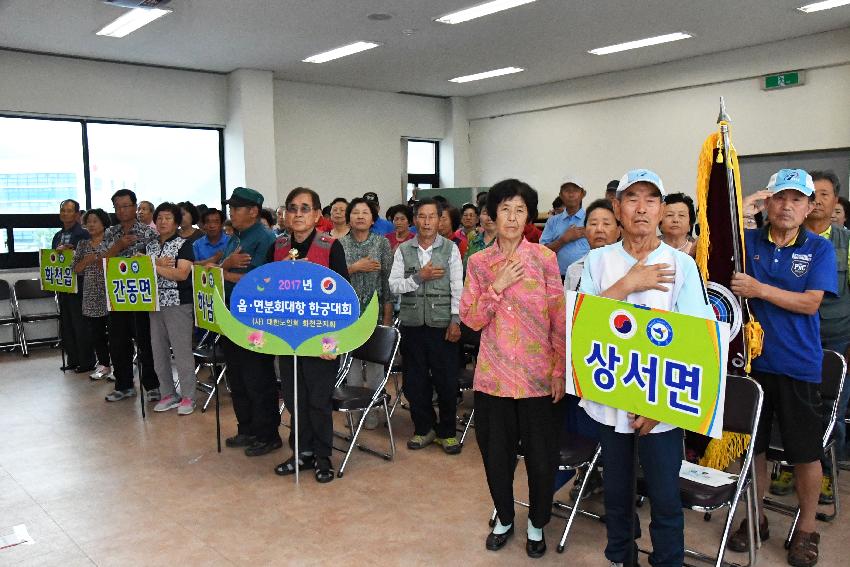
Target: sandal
point(740, 540)
point(324, 470)
point(287, 467)
point(804, 549)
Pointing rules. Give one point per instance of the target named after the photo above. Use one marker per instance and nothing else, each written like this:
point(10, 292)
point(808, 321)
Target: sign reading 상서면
point(663, 365)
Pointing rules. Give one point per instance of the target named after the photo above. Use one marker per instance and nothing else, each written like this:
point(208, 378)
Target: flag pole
point(723, 120)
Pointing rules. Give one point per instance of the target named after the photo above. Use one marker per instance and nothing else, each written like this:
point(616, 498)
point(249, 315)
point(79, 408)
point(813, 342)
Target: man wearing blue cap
point(788, 271)
point(643, 270)
point(251, 375)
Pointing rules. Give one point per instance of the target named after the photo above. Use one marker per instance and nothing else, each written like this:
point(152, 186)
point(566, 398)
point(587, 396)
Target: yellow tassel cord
point(721, 452)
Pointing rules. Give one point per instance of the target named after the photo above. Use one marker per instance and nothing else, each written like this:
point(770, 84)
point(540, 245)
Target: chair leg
point(353, 443)
point(389, 428)
point(212, 392)
point(468, 424)
point(592, 466)
point(792, 529)
point(493, 518)
point(833, 459)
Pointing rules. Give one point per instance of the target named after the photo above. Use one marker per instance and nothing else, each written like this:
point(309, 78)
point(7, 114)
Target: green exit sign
point(783, 80)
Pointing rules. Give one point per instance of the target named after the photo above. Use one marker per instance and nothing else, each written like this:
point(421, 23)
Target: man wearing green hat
point(251, 375)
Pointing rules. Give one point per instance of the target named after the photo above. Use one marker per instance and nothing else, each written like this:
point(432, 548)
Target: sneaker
point(594, 485)
point(827, 496)
point(168, 402)
point(450, 445)
point(153, 395)
point(421, 441)
point(783, 485)
point(100, 372)
point(118, 395)
point(186, 406)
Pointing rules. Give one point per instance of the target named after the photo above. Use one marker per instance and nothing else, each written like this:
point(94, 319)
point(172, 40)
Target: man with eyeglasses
point(316, 375)
point(128, 238)
point(251, 375)
point(428, 274)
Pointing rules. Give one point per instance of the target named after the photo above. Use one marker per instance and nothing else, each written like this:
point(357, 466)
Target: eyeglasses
point(305, 209)
point(121, 207)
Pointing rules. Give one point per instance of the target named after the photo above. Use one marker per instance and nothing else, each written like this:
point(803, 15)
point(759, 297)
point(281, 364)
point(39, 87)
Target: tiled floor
point(95, 484)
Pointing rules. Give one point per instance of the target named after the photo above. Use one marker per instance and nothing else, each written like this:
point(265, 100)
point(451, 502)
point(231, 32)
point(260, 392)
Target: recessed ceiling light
point(480, 10)
point(131, 21)
point(640, 43)
point(487, 74)
point(825, 5)
point(349, 49)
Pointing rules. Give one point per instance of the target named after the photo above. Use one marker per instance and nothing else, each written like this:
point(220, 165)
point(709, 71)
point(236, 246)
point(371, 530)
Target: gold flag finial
point(293, 254)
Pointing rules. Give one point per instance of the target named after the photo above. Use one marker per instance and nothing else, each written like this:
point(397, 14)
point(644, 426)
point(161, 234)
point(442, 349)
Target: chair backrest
point(7, 307)
point(5, 291)
point(831, 386)
point(381, 346)
point(742, 404)
point(30, 300)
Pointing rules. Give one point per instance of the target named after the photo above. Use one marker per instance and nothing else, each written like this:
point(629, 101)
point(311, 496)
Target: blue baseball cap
point(796, 179)
point(640, 175)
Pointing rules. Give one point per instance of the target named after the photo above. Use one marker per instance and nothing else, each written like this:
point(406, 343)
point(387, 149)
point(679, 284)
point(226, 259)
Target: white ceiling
point(549, 38)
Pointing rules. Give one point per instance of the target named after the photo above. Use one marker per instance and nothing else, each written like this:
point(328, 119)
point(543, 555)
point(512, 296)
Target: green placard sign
point(658, 364)
point(783, 80)
point(56, 271)
point(131, 284)
point(206, 280)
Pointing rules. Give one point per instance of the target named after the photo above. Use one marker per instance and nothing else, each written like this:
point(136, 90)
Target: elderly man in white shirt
point(428, 274)
point(640, 269)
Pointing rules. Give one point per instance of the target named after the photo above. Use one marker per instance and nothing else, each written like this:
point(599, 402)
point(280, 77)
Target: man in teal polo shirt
point(789, 269)
point(564, 232)
point(251, 375)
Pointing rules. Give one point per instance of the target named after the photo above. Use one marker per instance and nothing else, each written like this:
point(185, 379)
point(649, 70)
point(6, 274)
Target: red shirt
point(532, 233)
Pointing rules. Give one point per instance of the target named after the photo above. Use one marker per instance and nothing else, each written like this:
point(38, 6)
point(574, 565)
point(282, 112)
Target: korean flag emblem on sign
point(800, 264)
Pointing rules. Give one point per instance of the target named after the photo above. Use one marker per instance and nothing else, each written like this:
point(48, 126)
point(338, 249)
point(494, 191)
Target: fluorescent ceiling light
point(131, 21)
point(481, 10)
point(641, 43)
point(350, 49)
point(825, 5)
point(487, 75)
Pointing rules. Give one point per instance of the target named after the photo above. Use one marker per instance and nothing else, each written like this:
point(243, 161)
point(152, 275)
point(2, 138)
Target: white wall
point(657, 117)
point(62, 86)
point(343, 142)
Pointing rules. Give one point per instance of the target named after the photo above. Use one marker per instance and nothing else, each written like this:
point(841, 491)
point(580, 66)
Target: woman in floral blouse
point(88, 261)
point(171, 326)
point(514, 295)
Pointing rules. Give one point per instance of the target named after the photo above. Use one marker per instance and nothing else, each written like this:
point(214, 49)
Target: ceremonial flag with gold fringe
point(719, 249)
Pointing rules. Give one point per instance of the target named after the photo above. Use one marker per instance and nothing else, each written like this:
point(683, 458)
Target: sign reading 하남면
point(295, 307)
point(206, 280)
point(56, 271)
point(131, 284)
point(666, 366)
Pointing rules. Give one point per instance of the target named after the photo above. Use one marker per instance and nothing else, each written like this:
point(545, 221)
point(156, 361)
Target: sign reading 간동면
point(56, 271)
point(666, 366)
point(206, 280)
point(131, 284)
point(295, 307)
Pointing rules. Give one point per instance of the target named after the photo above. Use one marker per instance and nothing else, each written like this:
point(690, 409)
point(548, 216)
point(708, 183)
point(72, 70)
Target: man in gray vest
point(428, 274)
point(834, 311)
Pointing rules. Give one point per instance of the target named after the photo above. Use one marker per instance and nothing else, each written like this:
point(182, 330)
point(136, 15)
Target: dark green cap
point(245, 197)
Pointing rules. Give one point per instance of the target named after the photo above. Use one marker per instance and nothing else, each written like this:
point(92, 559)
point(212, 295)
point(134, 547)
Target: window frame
point(422, 178)
point(11, 221)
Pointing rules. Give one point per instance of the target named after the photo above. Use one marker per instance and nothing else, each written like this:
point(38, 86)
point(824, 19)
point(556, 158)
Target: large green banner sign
point(206, 280)
point(666, 366)
point(131, 284)
point(56, 270)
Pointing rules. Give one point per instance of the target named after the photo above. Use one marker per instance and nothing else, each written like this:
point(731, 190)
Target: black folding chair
point(470, 342)
point(9, 316)
point(380, 349)
point(215, 364)
point(577, 453)
point(831, 386)
point(33, 306)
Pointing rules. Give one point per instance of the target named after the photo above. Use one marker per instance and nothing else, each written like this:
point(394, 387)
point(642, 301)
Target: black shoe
point(240, 440)
point(68, 366)
point(740, 540)
point(535, 549)
point(84, 369)
point(258, 448)
point(495, 542)
point(287, 467)
point(324, 470)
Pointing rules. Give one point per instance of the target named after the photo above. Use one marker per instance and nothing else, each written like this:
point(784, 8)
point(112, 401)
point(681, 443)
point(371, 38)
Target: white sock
point(534, 534)
point(499, 529)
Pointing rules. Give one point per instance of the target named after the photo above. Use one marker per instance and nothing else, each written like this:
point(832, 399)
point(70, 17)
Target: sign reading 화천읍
point(666, 366)
point(56, 271)
point(131, 284)
point(206, 280)
point(295, 307)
